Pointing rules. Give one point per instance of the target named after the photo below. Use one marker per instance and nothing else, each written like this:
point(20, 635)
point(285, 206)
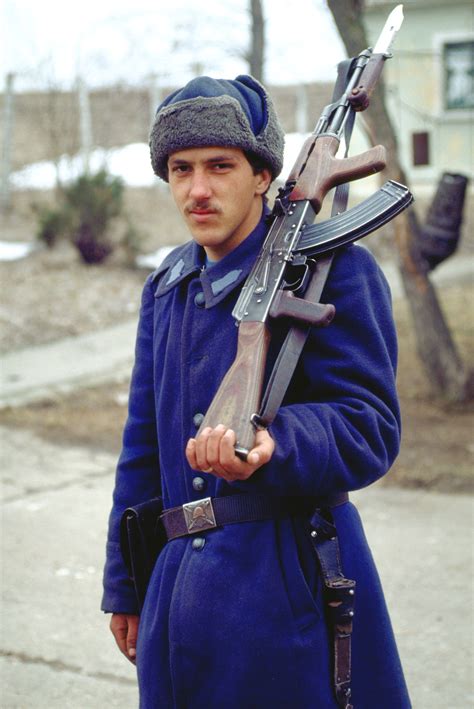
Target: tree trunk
point(257, 40)
point(436, 348)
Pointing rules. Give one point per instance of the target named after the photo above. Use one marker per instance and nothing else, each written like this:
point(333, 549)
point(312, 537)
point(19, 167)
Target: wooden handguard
point(324, 171)
point(360, 96)
point(306, 150)
point(239, 394)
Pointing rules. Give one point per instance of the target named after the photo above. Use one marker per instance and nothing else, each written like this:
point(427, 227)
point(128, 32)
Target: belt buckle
point(199, 515)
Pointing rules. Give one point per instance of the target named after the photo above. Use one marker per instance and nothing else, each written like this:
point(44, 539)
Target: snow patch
point(14, 250)
point(131, 163)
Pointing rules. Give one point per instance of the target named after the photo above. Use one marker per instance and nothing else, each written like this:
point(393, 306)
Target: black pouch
point(142, 537)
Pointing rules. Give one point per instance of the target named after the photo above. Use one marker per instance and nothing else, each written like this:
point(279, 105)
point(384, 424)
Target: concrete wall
point(46, 124)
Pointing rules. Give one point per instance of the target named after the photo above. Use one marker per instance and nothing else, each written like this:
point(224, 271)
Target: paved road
point(56, 650)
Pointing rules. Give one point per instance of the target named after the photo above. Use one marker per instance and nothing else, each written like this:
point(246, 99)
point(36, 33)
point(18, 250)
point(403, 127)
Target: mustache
point(202, 205)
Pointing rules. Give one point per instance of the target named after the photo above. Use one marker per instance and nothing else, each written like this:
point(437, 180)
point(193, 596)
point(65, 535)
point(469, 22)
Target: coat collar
point(217, 279)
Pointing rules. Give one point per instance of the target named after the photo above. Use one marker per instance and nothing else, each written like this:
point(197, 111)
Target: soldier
point(234, 614)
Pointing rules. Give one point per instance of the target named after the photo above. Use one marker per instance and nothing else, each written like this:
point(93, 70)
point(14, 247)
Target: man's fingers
point(191, 453)
point(118, 626)
point(227, 453)
point(125, 631)
point(201, 449)
point(191, 456)
point(203, 452)
point(213, 451)
point(132, 637)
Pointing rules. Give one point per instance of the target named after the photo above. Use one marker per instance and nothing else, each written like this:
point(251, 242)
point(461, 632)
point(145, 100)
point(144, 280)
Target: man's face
point(218, 195)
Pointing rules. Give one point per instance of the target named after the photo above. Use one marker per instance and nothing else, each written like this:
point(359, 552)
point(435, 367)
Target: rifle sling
point(295, 340)
point(339, 592)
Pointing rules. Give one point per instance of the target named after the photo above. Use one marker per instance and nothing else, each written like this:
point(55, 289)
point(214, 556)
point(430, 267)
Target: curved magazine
point(375, 211)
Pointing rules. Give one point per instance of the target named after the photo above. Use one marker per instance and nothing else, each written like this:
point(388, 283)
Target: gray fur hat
point(208, 112)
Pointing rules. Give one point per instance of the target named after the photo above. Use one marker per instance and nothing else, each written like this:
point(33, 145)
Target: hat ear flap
point(254, 85)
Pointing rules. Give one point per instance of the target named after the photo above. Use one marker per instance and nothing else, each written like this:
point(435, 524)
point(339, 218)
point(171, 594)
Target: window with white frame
point(459, 75)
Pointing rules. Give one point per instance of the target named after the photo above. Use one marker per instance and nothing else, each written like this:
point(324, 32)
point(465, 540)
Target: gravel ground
point(50, 295)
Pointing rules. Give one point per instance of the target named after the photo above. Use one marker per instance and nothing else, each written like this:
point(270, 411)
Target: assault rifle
point(280, 282)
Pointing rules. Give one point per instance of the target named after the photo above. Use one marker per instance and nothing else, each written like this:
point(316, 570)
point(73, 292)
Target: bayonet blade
point(391, 27)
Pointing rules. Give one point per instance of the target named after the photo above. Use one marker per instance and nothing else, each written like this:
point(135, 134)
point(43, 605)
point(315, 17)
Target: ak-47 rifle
point(278, 282)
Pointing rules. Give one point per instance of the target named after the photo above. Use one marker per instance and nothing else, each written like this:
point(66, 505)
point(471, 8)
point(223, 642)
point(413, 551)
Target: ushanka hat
point(206, 112)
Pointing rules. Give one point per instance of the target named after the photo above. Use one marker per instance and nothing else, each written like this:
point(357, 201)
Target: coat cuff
point(119, 592)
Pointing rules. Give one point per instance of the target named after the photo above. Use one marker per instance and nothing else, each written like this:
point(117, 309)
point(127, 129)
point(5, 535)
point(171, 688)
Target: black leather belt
point(211, 512)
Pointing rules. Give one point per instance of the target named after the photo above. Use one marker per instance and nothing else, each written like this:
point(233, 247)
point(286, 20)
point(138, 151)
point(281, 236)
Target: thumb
point(253, 458)
point(263, 450)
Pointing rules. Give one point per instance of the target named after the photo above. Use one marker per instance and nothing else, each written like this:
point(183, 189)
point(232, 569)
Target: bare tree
point(436, 348)
point(256, 51)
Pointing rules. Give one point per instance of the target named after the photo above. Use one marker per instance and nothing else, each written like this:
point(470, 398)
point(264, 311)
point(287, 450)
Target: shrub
point(87, 207)
point(51, 226)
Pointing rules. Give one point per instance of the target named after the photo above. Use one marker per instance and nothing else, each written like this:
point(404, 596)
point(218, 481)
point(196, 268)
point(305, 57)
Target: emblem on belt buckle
point(199, 515)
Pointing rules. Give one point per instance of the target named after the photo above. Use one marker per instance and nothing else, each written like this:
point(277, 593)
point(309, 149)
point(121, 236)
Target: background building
point(430, 85)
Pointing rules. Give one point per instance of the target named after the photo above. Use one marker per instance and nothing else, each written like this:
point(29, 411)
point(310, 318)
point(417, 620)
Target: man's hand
point(213, 452)
point(125, 631)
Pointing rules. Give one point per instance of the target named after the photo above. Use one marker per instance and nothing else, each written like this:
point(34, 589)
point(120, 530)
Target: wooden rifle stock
point(240, 392)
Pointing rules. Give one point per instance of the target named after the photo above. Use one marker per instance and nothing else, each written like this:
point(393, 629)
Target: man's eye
point(180, 169)
point(223, 166)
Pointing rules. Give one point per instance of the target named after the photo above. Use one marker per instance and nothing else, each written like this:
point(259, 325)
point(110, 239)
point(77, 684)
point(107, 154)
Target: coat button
point(199, 484)
point(199, 299)
point(198, 419)
point(198, 543)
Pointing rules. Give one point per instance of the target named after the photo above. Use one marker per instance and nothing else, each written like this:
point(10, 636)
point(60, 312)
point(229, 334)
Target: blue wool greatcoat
point(234, 620)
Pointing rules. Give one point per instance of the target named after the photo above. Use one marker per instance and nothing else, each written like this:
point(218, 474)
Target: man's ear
point(263, 182)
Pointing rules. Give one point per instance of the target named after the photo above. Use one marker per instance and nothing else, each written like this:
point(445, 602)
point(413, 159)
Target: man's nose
point(200, 186)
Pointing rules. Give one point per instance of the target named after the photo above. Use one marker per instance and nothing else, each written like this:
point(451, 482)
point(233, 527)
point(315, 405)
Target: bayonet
point(391, 27)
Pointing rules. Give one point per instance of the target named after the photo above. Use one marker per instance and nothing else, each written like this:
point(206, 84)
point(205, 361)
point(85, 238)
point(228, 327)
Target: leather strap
point(339, 594)
point(209, 513)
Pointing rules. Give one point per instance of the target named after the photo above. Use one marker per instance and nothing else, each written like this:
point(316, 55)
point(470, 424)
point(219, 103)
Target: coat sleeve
point(339, 427)
point(137, 477)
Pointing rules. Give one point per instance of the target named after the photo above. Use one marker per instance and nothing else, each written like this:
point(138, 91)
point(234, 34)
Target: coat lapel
point(220, 278)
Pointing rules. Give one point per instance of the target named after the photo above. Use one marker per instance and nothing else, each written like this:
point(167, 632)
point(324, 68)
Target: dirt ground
point(50, 295)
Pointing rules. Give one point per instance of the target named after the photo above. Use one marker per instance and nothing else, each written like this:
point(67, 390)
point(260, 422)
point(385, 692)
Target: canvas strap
point(295, 340)
point(339, 591)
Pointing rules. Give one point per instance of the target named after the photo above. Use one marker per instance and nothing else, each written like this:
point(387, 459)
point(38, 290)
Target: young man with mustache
point(234, 615)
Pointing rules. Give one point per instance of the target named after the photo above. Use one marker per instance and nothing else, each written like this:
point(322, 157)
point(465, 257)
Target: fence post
point(85, 124)
point(7, 130)
point(154, 96)
point(301, 108)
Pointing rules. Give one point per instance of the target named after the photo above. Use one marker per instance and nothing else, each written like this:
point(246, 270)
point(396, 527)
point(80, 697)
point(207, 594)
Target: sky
point(49, 43)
